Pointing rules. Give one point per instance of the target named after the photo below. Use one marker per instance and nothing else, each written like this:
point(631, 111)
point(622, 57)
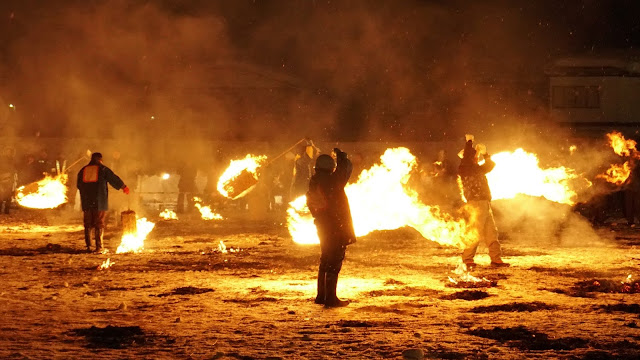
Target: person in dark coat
point(186, 188)
point(302, 170)
point(8, 176)
point(476, 191)
point(94, 195)
point(329, 206)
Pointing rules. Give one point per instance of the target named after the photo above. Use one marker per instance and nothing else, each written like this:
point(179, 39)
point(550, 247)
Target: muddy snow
point(183, 298)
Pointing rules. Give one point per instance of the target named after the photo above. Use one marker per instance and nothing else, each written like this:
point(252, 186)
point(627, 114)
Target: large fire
point(47, 193)
point(240, 177)
point(519, 172)
point(380, 200)
point(134, 242)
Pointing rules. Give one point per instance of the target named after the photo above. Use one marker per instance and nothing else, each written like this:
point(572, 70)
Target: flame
point(135, 242)
point(380, 200)
point(47, 193)
point(616, 174)
point(106, 264)
point(572, 149)
point(167, 214)
point(620, 145)
point(465, 276)
point(222, 248)
point(519, 172)
point(205, 211)
point(249, 164)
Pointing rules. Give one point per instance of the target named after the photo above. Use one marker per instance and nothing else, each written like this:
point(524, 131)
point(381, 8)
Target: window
point(575, 97)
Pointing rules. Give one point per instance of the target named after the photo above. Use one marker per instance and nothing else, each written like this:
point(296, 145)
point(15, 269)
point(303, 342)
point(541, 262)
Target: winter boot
point(331, 300)
point(321, 287)
point(87, 238)
point(99, 236)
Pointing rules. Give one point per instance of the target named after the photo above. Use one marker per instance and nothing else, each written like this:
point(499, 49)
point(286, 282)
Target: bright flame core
point(167, 214)
point(518, 172)
point(135, 242)
point(47, 193)
point(249, 164)
point(380, 200)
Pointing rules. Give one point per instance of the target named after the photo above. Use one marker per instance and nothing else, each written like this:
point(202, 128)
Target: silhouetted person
point(329, 206)
point(476, 191)
point(94, 193)
point(302, 170)
point(29, 171)
point(7, 178)
point(186, 187)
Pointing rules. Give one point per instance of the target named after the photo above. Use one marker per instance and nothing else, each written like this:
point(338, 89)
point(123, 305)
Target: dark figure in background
point(329, 206)
point(302, 170)
point(29, 171)
point(632, 190)
point(7, 179)
point(44, 164)
point(186, 188)
point(94, 193)
point(475, 188)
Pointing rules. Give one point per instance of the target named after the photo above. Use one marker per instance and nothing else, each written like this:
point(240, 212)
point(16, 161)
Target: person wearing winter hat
point(329, 206)
point(476, 191)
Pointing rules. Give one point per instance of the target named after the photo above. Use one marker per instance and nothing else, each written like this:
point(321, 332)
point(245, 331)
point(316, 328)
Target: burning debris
point(616, 174)
point(465, 280)
point(240, 177)
point(167, 214)
point(47, 193)
point(134, 241)
point(627, 286)
point(381, 200)
point(106, 264)
point(620, 145)
point(205, 211)
point(619, 173)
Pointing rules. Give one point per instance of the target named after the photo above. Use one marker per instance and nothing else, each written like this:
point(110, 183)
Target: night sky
point(346, 70)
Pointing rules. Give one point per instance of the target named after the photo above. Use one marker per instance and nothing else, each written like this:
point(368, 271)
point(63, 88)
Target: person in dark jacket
point(186, 188)
point(302, 170)
point(94, 195)
point(477, 194)
point(329, 206)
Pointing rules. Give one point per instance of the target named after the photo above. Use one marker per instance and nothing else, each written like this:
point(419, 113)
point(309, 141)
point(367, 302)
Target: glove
point(126, 190)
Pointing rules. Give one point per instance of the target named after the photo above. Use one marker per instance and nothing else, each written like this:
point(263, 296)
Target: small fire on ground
point(167, 214)
point(134, 242)
point(464, 279)
point(106, 264)
point(205, 211)
point(48, 193)
point(240, 177)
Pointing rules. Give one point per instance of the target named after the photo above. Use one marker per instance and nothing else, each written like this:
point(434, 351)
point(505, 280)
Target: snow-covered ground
point(181, 298)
